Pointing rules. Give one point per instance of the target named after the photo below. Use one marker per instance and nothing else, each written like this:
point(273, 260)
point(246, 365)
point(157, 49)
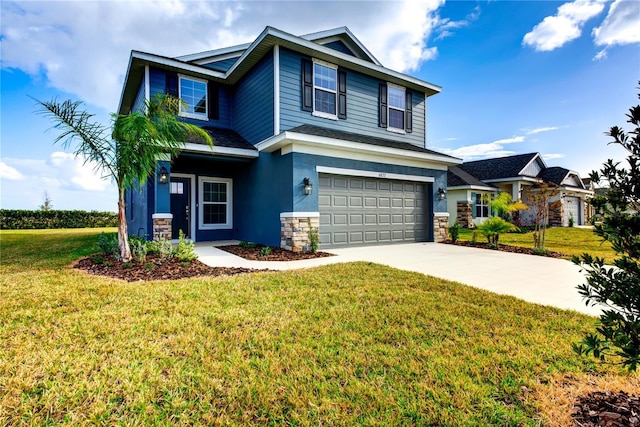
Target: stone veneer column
point(162, 226)
point(295, 228)
point(440, 226)
point(464, 214)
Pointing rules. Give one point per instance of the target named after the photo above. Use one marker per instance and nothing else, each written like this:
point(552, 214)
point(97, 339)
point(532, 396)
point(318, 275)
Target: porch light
point(163, 176)
point(442, 193)
point(308, 187)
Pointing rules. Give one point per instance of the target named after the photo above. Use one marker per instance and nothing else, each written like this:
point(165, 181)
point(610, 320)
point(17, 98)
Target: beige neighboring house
point(468, 182)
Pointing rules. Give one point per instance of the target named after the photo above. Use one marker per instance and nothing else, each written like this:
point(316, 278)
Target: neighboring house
point(309, 131)
point(470, 182)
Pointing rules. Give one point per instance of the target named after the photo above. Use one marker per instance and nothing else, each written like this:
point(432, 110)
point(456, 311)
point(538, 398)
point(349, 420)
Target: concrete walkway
point(536, 279)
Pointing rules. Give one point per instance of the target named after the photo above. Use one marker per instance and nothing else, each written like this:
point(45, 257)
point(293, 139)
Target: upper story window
point(396, 107)
point(193, 93)
point(324, 89)
point(325, 85)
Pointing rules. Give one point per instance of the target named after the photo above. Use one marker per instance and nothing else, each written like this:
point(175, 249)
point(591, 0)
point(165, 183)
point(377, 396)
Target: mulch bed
point(153, 269)
point(607, 409)
point(506, 248)
point(277, 254)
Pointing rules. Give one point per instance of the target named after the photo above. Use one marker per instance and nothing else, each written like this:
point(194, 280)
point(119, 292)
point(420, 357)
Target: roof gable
point(499, 168)
point(342, 40)
point(457, 177)
point(561, 177)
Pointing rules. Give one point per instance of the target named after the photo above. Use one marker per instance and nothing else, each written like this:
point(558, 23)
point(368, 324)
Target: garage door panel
point(355, 210)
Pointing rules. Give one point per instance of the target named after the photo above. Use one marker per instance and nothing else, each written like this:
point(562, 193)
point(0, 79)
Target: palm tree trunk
point(123, 240)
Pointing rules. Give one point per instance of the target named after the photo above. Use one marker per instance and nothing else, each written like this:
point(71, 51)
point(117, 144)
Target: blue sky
point(516, 76)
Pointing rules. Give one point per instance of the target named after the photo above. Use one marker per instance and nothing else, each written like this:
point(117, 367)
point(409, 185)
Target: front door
point(180, 197)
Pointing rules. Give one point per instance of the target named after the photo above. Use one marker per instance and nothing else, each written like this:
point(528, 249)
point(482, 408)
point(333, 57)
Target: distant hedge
point(15, 219)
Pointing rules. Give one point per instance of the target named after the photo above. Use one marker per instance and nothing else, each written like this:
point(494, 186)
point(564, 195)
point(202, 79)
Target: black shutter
point(408, 123)
point(172, 84)
point(382, 105)
point(342, 94)
point(307, 85)
point(213, 95)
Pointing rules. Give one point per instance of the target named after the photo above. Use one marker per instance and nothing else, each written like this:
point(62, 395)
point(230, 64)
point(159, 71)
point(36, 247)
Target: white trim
point(327, 35)
point(443, 214)
point(276, 89)
point(229, 203)
point(473, 187)
point(209, 54)
point(426, 127)
point(161, 216)
point(227, 151)
point(324, 114)
point(299, 215)
point(373, 174)
point(537, 156)
point(404, 110)
point(192, 201)
point(290, 142)
point(195, 116)
point(216, 58)
point(513, 179)
point(147, 85)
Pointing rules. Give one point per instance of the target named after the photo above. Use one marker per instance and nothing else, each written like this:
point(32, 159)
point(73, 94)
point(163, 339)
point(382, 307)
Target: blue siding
point(339, 46)
point(362, 105)
point(253, 109)
point(157, 80)
point(138, 103)
point(222, 65)
point(136, 210)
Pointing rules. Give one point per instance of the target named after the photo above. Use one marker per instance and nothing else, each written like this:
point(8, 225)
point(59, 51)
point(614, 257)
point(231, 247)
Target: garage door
point(572, 209)
point(363, 211)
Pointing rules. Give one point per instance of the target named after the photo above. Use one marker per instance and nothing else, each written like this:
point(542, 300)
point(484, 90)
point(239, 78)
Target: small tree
point(493, 227)
point(617, 288)
point(540, 195)
point(503, 205)
point(128, 151)
point(47, 203)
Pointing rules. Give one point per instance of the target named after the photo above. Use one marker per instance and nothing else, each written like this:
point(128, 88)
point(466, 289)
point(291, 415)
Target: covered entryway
point(364, 211)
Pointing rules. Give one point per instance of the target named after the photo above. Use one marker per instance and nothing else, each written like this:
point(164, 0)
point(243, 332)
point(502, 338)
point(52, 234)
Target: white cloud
point(483, 151)
point(540, 130)
point(621, 25)
point(444, 27)
point(566, 25)
point(7, 172)
point(88, 57)
point(553, 156)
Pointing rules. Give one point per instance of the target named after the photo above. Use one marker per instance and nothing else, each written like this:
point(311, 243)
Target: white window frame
point(182, 113)
point(389, 108)
point(335, 93)
point(227, 225)
point(483, 204)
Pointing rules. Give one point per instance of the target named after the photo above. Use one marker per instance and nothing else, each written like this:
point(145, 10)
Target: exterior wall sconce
point(442, 193)
point(308, 187)
point(163, 176)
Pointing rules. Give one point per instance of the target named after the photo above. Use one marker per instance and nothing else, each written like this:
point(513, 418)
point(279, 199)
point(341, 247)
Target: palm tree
point(128, 151)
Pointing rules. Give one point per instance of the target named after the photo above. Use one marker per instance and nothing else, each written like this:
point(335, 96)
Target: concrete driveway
point(536, 279)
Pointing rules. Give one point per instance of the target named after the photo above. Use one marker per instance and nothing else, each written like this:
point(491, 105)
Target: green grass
point(348, 344)
point(567, 240)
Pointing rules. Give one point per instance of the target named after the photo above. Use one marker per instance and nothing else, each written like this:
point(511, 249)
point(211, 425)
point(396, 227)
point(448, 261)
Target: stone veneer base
point(295, 228)
point(162, 226)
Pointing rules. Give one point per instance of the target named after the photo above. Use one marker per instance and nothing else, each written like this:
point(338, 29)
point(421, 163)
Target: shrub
point(184, 250)
point(108, 244)
point(265, 250)
point(454, 231)
point(493, 227)
point(16, 219)
point(314, 238)
point(162, 248)
point(246, 245)
point(571, 221)
point(138, 247)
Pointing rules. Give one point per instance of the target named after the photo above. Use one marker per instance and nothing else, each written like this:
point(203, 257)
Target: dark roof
point(502, 167)
point(457, 177)
point(225, 138)
point(554, 174)
point(354, 137)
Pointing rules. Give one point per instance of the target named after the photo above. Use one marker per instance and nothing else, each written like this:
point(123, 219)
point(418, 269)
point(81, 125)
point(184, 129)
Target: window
point(193, 93)
point(216, 196)
point(481, 206)
point(396, 107)
point(325, 85)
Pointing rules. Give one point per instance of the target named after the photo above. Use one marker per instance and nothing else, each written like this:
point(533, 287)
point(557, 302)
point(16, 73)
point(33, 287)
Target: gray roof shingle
point(502, 167)
point(225, 138)
point(458, 177)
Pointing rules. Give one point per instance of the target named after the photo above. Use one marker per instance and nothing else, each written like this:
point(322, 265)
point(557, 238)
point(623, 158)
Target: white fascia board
point(168, 62)
point(536, 157)
point(333, 34)
point(513, 179)
point(231, 50)
point(225, 151)
point(299, 214)
point(373, 174)
point(281, 35)
point(473, 187)
point(576, 190)
point(320, 145)
point(210, 59)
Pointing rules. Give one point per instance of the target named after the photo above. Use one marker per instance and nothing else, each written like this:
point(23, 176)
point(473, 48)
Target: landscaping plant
point(454, 232)
point(184, 250)
point(493, 227)
point(128, 150)
point(618, 287)
point(541, 195)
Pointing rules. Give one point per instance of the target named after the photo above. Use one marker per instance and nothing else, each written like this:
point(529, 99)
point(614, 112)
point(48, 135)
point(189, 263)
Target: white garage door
point(571, 209)
point(363, 211)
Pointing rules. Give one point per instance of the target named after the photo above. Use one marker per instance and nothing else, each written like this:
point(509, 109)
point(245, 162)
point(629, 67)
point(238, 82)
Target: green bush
point(246, 245)
point(184, 251)
point(108, 244)
point(454, 232)
point(19, 219)
point(138, 246)
point(314, 238)
point(162, 248)
point(265, 250)
point(493, 227)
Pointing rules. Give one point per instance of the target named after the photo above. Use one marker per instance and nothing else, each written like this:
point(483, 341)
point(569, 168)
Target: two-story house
point(308, 130)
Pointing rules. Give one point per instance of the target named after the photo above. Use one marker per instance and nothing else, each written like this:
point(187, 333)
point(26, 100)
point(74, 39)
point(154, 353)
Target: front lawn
point(346, 344)
point(567, 240)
